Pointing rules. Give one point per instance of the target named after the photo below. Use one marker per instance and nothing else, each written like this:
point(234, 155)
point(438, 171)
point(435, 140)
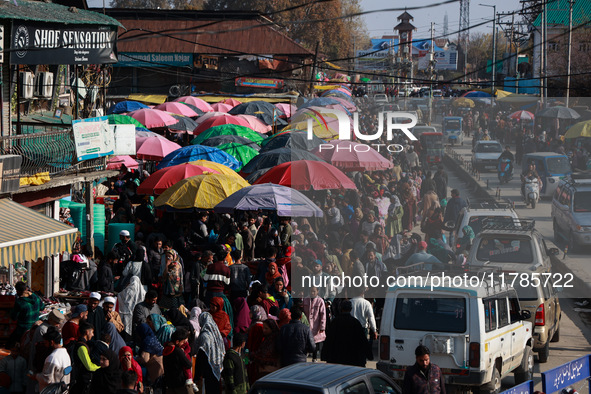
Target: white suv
point(476, 335)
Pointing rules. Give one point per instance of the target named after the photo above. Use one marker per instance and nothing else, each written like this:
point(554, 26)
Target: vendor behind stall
point(26, 310)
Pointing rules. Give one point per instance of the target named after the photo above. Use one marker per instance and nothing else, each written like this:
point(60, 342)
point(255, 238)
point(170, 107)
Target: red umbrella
point(177, 108)
point(231, 101)
point(221, 107)
point(152, 118)
point(197, 102)
point(156, 148)
point(162, 179)
point(256, 124)
point(352, 156)
point(115, 162)
point(307, 175)
point(522, 115)
point(218, 121)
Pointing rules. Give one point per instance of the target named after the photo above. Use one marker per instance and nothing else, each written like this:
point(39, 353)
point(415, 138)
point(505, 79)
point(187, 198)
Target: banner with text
point(93, 138)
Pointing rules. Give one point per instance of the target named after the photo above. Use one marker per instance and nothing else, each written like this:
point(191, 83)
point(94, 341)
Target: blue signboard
point(523, 388)
point(146, 59)
point(566, 375)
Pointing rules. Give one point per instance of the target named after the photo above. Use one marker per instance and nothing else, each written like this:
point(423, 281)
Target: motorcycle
point(505, 170)
point(531, 192)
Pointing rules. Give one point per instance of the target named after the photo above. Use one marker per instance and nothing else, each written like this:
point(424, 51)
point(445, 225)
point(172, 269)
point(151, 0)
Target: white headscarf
point(129, 297)
point(194, 319)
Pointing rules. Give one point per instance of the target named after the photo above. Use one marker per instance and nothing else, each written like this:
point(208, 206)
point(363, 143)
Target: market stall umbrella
point(581, 129)
point(251, 178)
point(325, 125)
point(277, 156)
point(194, 108)
point(221, 107)
point(153, 118)
point(227, 139)
point(231, 101)
point(558, 113)
point(177, 108)
point(287, 109)
point(199, 192)
point(476, 93)
point(197, 102)
point(228, 129)
point(463, 102)
point(115, 162)
point(336, 93)
point(256, 124)
point(207, 115)
point(263, 110)
point(198, 152)
point(269, 197)
point(155, 148)
point(320, 102)
point(522, 115)
point(184, 124)
point(162, 179)
point(240, 152)
point(125, 106)
point(347, 103)
point(222, 169)
point(144, 133)
point(353, 156)
point(292, 139)
point(218, 121)
point(307, 175)
point(123, 119)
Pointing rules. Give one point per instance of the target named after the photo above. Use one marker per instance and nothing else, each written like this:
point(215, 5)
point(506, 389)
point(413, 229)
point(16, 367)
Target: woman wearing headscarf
point(107, 379)
point(221, 318)
point(194, 320)
point(177, 319)
point(242, 315)
point(150, 354)
point(117, 341)
point(209, 349)
point(394, 219)
point(272, 273)
point(128, 363)
point(131, 295)
point(172, 281)
point(255, 335)
point(284, 317)
point(161, 327)
point(266, 358)
point(466, 240)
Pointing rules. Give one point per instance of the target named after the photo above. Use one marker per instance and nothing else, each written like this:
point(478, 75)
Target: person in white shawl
point(210, 351)
point(129, 297)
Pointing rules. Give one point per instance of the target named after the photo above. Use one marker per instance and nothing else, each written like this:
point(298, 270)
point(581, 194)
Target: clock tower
point(405, 29)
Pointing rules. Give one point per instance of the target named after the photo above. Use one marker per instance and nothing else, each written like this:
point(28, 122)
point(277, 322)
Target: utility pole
point(570, 40)
point(314, 69)
point(494, 46)
point(431, 69)
point(544, 53)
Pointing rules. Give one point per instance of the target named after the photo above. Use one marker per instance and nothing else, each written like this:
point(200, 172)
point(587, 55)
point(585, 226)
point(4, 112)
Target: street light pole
point(570, 40)
point(494, 46)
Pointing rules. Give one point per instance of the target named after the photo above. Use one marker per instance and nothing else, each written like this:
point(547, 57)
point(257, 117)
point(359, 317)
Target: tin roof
point(209, 37)
point(558, 11)
point(42, 11)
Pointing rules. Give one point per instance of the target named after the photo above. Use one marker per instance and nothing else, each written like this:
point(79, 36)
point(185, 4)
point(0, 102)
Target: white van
point(476, 334)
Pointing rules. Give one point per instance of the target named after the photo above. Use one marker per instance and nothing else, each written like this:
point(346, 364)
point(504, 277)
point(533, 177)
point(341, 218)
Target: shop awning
point(29, 235)
point(148, 98)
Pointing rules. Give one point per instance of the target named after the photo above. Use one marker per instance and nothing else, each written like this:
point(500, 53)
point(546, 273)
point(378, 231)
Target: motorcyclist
point(531, 173)
point(507, 154)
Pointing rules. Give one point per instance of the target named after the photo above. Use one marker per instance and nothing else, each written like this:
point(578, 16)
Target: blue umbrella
point(476, 93)
point(336, 93)
point(319, 102)
point(199, 152)
point(125, 106)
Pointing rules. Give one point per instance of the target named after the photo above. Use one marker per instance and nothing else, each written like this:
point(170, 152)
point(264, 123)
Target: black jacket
point(417, 382)
point(107, 379)
point(105, 281)
point(295, 341)
point(346, 342)
point(175, 361)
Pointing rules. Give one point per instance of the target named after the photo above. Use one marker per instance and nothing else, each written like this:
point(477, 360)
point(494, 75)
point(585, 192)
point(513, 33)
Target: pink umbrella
point(197, 102)
point(346, 103)
point(177, 108)
point(156, 148)
point(115, 162)
point(152, 118)
point(208, 115)
point(522, 115)
point(287, 109)
point(220, 120)
point(256, 124)
point(352, 156)
point(231, 101)
point(221, 107)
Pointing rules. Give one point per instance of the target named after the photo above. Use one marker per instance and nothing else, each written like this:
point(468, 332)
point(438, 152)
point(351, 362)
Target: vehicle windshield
point(582, 202)
point(525, 293)
point(505, 249)
point(283, 389)
point(432, 140)
point(452, 124)
point(476, 222)
point(558, 165)
point(489, 148)
point(430, 313)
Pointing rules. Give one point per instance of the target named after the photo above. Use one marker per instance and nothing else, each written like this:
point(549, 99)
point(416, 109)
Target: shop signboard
point(147, 59)
point(204, 61)
point(124, 135)
point(267, 83)
point(93, 138)
point(566, 375)
point(48, 43)
point(10, 171)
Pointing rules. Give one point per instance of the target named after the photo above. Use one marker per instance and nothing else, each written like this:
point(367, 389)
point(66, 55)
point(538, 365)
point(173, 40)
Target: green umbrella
point(228, 129)
point(581, 129)
point(240, 152)
point(123, 119)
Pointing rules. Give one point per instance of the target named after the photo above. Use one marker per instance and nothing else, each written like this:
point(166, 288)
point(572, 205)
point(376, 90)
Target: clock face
point(404, 35)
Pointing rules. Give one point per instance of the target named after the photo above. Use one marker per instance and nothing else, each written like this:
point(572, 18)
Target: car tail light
point(540, 316)
point(475, 354)
point(384, 347)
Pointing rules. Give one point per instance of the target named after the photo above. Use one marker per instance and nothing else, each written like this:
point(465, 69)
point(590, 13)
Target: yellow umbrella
point(201, 191)
point(222, 169)
point(581, 129)
point(325, 124)
point(463, 102)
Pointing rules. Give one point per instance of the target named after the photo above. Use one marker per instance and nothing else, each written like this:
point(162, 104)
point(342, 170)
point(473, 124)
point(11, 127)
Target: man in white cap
point(96, 314)
point(126, 250)
point(111, 315)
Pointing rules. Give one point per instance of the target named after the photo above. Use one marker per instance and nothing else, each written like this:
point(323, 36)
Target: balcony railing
point(47, 148)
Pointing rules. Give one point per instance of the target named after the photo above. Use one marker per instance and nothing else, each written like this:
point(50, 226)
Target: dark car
point(304, 378)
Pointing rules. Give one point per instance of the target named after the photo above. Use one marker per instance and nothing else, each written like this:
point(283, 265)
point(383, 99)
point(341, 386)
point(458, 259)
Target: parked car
point(417, 131)
point(477, 335)
point(304, 378)
point(486, 155)
point(571, 211)
point(381, 98)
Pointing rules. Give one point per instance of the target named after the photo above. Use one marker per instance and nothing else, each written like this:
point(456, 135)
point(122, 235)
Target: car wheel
point(525, 371)
point(494, 386)
point(556, 336)
point(544, 353)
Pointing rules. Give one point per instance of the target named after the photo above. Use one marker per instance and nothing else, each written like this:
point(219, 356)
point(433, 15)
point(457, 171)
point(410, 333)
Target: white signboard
point(124, 139)
point(93, 139)
point(446, 60)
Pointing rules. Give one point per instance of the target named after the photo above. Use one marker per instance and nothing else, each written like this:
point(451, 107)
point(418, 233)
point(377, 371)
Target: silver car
point(571, 211)
point(486, 155)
